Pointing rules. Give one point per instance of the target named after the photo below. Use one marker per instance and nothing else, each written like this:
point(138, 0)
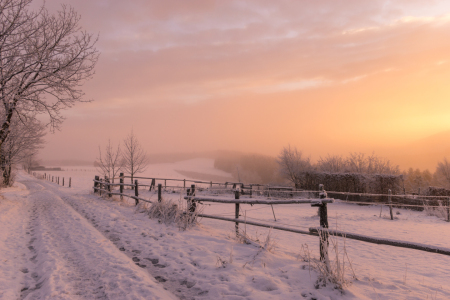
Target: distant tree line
point(355, 173)
point(359, 173)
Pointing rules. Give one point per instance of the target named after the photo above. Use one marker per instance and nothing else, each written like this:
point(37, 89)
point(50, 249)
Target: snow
point(61, 243)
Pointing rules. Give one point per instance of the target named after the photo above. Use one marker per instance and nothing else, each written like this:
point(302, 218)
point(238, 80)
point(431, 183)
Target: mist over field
point(249, 78)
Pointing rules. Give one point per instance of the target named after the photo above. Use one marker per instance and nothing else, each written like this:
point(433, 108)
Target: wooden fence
point(55, 179)
point(322, 231)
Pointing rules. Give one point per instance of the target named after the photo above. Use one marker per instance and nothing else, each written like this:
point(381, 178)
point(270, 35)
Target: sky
point(328, 77)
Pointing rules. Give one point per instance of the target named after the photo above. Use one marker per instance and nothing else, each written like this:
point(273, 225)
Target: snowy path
point(64, 256)
point(80, 246)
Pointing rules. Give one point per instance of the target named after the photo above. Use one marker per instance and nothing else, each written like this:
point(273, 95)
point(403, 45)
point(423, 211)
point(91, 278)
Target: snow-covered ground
point(61, 243)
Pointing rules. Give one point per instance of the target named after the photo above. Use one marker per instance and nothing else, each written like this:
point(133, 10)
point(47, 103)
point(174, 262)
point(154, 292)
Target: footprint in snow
point(188, 284)
point(160, 279)
point(153, 260)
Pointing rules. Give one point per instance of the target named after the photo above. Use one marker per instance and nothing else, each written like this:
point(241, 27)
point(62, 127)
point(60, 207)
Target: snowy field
point(61, 243)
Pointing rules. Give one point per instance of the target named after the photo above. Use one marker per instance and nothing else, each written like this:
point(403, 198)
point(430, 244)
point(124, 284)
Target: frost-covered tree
point(44, 59)
point(332, 164)
point(134, 158)
point(356, 163)
point(443, 172)
point(23, 141)
point(293, 165)
point(29, 162)
point(110, 162)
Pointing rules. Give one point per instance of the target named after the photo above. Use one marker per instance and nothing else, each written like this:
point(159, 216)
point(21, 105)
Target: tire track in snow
point(69, 259)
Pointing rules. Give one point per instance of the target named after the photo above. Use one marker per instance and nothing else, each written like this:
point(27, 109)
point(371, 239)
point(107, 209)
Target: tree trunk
point(6, 175)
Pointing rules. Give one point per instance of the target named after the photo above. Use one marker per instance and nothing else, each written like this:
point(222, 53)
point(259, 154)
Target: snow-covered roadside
point(190, 263)
point(14, 215)
point(62, 256)
point(199, 263)
point(193, 264)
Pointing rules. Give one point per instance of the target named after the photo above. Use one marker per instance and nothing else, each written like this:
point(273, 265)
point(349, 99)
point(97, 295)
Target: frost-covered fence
point(322, 231)
point(217, 195)
point(54, 179)
point(436, 205)
point(106, 186)
point(321, 203)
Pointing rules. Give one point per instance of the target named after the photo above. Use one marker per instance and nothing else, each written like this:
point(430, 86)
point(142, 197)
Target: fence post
point(159, 192)
point(390, 203)
point(52, 178)
point(236, 212)
point(184, 183)
point(96, 178)
point(192, 205)
point(101, 186)
point(448, 210)
point(323, 235)
point(109, 187)
point(210, 185)
point(121, 185)
point(165, 183)
point(136, 191)
point(70, 181)
point(153, 184)
point(63, 181)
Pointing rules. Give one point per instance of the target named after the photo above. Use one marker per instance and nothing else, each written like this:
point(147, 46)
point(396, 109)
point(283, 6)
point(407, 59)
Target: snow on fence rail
point(322, 231)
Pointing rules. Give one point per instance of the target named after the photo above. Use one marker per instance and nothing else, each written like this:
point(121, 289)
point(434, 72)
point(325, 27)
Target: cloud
point(187, 62)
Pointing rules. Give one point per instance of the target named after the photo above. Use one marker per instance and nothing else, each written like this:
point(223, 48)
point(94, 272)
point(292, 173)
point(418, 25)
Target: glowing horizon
point(256, 76)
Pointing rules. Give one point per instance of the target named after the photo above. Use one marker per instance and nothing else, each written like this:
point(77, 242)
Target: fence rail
point(55, 179)
point(322, 232)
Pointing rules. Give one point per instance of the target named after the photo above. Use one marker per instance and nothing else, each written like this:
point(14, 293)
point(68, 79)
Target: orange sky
point(324, 76)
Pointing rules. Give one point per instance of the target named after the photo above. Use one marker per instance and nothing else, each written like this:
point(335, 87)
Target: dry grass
point(170, 212)
point(439, 211)
point(335, 269)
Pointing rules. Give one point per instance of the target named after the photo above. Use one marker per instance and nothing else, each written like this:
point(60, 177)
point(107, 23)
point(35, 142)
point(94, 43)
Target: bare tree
point(44, 59)
point(443, 172)
point(357, 163)
point(293, 165)
point(133, 156)
point(23, 141)
point(110, 163)
point(29, 162)
point(332, 164)
point(361, 164)
point(379, 165)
